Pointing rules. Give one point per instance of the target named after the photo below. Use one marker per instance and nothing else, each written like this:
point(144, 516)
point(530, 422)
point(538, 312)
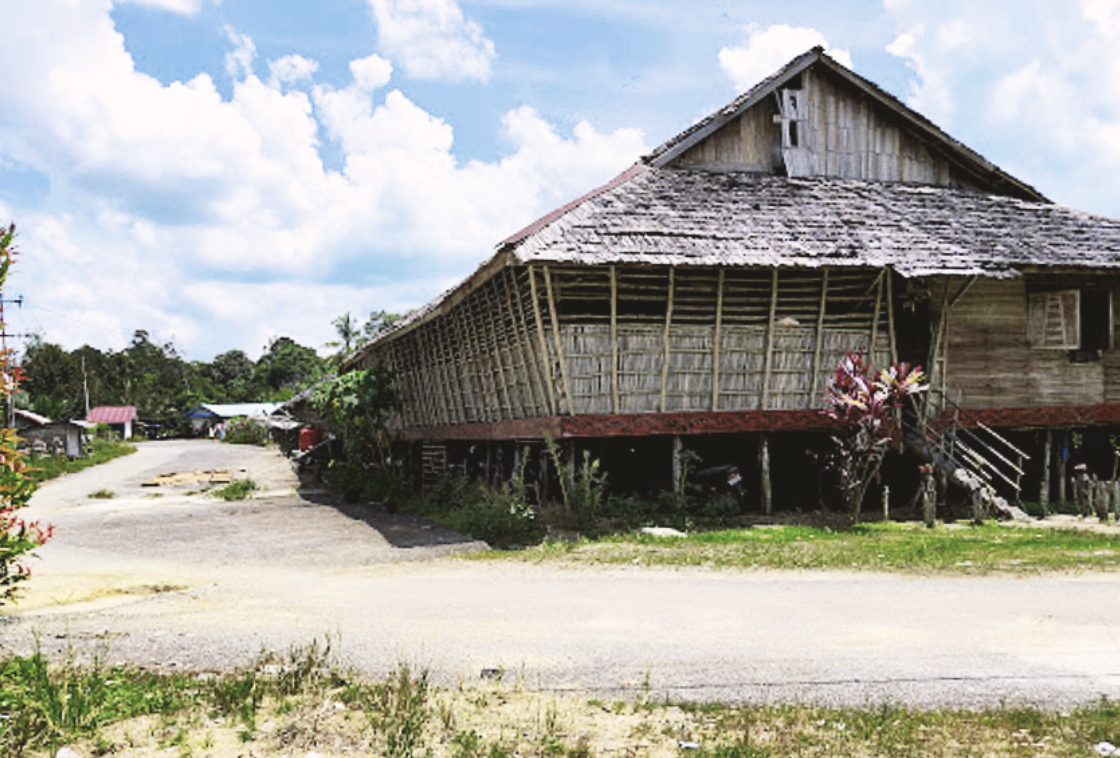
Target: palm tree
point(348, 333)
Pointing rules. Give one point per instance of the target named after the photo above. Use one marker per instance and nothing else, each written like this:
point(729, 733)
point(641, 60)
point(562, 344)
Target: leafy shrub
point(246, 431)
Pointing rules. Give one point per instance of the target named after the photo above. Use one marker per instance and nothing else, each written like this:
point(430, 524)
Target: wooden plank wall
point(845, 134)
point(990, 363)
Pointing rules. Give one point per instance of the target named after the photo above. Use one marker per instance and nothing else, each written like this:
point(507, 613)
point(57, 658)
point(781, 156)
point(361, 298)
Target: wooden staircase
point(972, 454)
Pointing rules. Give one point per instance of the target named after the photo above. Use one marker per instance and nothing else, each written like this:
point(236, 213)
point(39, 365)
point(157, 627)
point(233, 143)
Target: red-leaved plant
point(866, 406)
point(18, 538)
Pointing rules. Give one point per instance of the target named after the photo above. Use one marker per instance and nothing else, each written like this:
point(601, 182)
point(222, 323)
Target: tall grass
point(306, 703)
point(46, 467)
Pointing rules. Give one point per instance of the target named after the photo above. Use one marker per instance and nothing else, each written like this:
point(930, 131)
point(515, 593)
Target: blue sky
point(221, 172)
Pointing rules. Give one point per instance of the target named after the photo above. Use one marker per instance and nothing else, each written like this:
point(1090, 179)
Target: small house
point(119, 418)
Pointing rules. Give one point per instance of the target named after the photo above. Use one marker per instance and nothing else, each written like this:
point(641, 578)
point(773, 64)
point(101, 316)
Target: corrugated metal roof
point(112, 414)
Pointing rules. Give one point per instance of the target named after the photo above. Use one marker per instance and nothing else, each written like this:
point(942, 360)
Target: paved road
point(188, 581)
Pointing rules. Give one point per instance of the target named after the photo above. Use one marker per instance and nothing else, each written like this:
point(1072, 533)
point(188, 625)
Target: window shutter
point(1055, 320)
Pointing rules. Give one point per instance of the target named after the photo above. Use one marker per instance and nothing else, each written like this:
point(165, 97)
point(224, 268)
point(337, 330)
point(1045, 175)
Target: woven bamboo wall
point(591, 340)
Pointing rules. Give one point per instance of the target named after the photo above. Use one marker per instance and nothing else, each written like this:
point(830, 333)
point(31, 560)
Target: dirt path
point(167, 578)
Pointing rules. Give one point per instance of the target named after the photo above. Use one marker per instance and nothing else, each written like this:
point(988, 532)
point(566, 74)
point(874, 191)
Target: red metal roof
point(112, 414)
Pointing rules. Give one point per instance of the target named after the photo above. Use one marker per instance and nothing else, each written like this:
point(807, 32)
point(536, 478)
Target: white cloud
point(185, 7)
point(213, 221)
point(768, 49)
point(432, 39)
point(1030, 86)
point(239, 61)
point(291, 70)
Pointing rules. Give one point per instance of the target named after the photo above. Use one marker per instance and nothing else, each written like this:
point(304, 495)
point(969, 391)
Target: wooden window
point(1055, 320)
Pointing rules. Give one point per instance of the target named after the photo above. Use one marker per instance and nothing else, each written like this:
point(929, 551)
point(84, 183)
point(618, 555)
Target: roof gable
point(893, 143)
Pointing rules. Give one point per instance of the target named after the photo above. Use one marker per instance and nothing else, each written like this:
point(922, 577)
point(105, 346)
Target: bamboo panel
point(588, 349)
point(689, 379)
point(640, 352)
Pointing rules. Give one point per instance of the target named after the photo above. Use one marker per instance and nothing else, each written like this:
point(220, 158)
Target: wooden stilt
point(678, 484)
point(1063, 452)
point(764, 490)
point(1044, 487)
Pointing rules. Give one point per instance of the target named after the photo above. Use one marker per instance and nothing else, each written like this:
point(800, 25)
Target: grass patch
point(102, 494)
point(306, 703)
point(908, 547)
point(239, 489)
point(46, 467)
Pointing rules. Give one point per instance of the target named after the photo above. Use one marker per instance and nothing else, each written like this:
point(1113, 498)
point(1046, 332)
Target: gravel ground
point(167, 577)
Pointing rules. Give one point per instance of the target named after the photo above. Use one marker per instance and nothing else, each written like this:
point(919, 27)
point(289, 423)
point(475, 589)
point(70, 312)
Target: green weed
point(239, 489)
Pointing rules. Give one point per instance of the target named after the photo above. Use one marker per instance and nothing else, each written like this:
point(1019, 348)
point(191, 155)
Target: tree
point(348, 336)
point(361, 404)
point(233, 376)
point(18, 538)
point(378, 323)
point(867, 408)
point(287, 365)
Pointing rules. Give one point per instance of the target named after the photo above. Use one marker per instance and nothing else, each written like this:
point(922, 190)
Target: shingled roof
point(697, 218)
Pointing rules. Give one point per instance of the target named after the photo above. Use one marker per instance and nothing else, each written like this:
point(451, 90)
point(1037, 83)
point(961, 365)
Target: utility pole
point(10, 415)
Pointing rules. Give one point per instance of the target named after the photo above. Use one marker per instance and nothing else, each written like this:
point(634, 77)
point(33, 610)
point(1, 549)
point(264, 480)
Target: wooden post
point(764, 489)
point(1044, 488)
point(615, 406)
point(928, 491)
point(769, 359)
point(666, 353)
point(533, 368)
point(819, 346)
point(977, 506)
point(678, 484)
point(1116, 502)
point(890, 318)
point(875, 318)
point(550, 378)
point(718, 344)
point(886, 498)
point(563, 361)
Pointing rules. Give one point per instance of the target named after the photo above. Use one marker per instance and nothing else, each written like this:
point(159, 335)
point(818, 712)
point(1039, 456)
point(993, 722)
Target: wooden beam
point(819, 346)
point(498, 346)
point(875, 318)
point(890, 318)
point(563, 361)
point(665, 344)
point(615, 405)
point(531, 365)
point(546, 359)
point(769, 359)
point(718, 337)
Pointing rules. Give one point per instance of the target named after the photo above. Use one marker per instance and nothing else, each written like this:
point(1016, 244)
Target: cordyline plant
point(18, 538)
point(867, 408)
